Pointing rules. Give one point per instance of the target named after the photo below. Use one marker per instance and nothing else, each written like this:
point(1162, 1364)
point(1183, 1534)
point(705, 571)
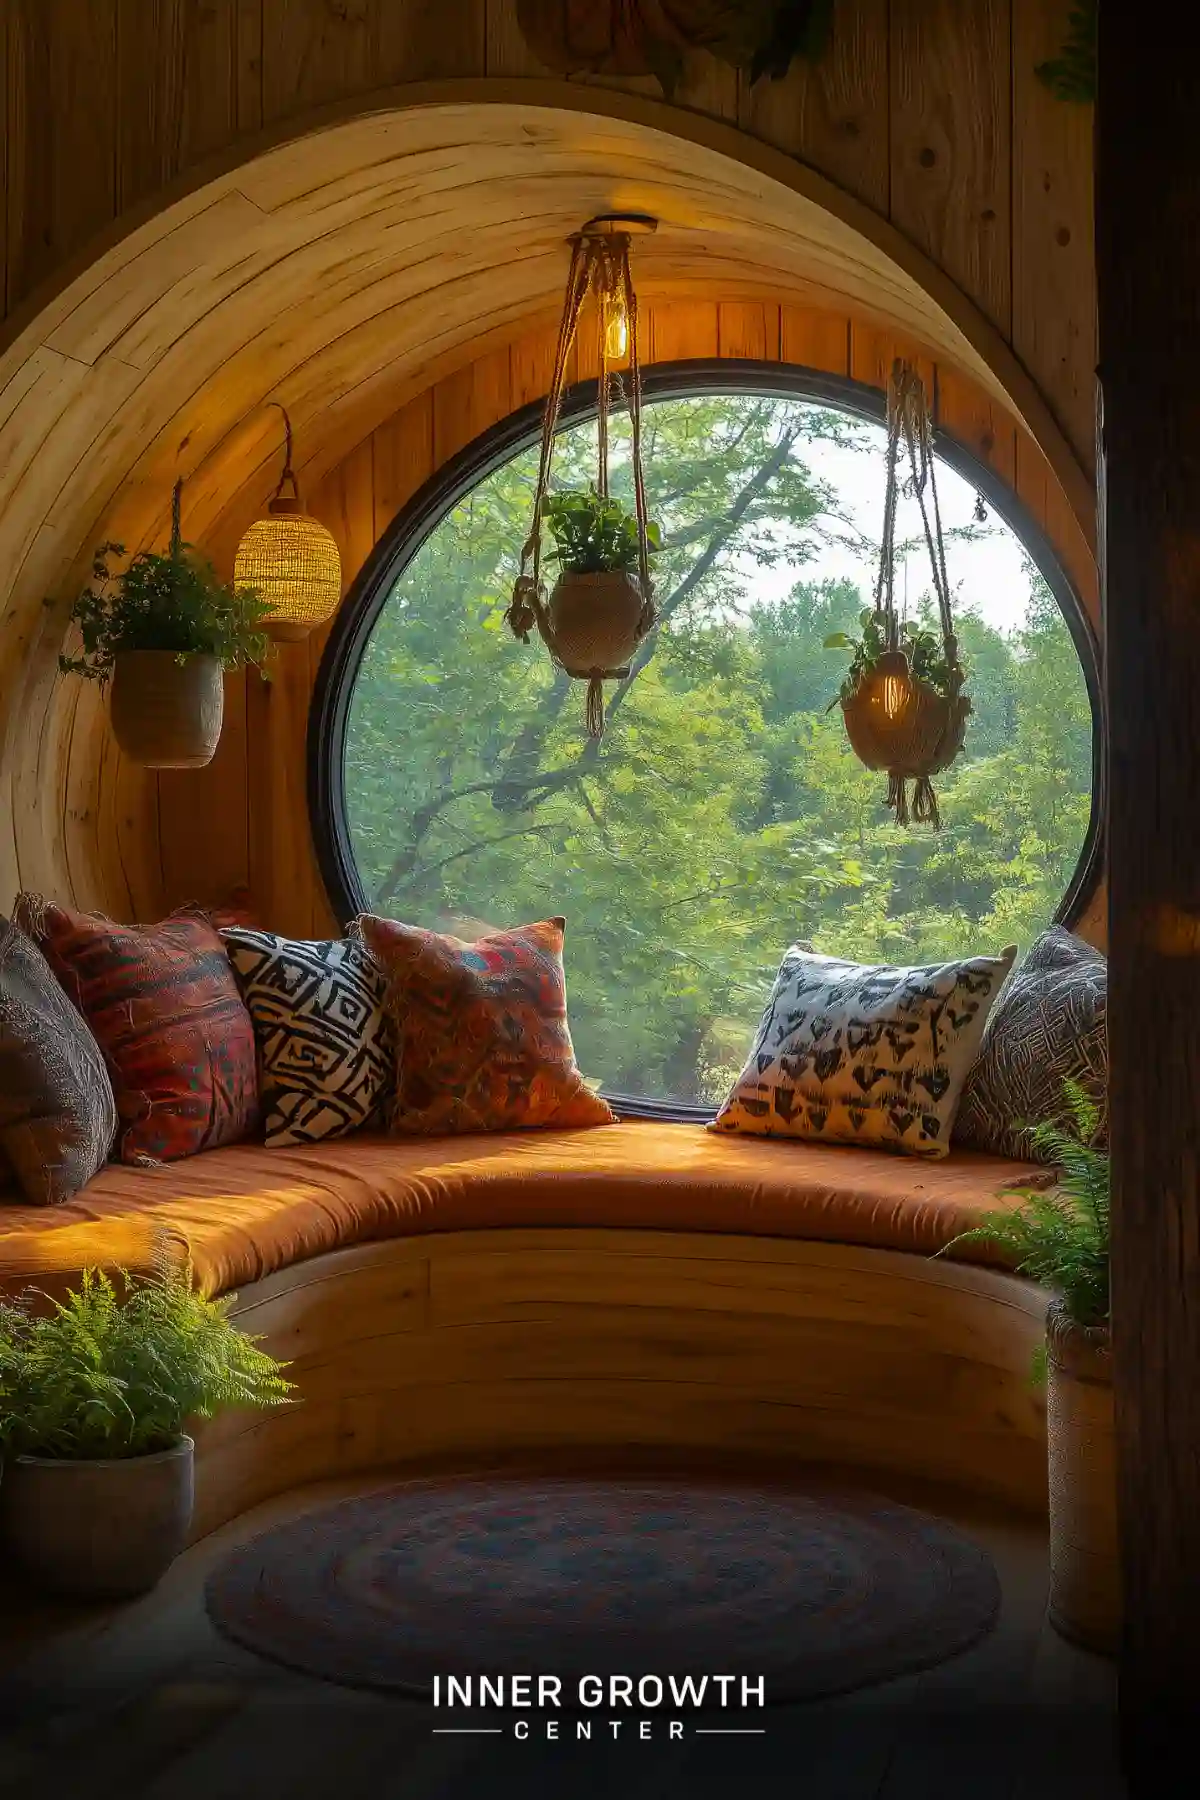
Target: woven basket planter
point(594, 623)
point(922, 738)
point(1085, 1586)
point(167, 714)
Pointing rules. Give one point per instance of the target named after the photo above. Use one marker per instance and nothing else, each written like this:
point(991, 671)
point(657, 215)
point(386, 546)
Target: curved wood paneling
point(482, 1344)
point(914, 108)
point(244, 820)
point(337, 272)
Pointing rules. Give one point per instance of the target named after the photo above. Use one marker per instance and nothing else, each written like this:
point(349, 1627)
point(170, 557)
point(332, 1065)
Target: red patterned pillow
point(163, 1005)
point(484, 1040)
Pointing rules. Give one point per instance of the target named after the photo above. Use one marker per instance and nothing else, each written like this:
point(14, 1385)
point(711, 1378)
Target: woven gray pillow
point(1049, 1026)
point(58, 1118)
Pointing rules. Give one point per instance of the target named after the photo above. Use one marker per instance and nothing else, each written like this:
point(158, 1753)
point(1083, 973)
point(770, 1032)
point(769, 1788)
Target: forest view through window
point(723, 815)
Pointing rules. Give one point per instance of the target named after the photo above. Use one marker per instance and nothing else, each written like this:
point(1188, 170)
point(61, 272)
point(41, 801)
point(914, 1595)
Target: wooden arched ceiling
point(335, 270)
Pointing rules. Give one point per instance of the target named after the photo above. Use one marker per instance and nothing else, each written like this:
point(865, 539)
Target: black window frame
point(521, 430)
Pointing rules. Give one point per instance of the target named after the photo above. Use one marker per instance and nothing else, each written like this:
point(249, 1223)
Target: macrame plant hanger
point(593, 643)
point(895, 719)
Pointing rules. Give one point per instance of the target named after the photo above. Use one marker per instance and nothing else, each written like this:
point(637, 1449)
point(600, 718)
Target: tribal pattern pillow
point(325, 1044)
point(484, 1043)
point(164, 1008)
point(1050, 1026)
point(854, 1054)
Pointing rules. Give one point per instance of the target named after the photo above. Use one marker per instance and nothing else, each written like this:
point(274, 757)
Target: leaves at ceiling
point(651, 37)
point(1071, 75)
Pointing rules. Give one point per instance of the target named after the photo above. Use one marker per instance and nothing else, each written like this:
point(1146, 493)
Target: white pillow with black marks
point(853, 1053)
point(326, 1056)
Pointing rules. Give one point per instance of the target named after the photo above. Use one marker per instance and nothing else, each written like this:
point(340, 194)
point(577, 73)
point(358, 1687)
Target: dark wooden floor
point(147, 1701)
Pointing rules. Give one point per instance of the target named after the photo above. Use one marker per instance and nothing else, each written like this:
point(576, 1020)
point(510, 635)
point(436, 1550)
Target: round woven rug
point(817, 1592)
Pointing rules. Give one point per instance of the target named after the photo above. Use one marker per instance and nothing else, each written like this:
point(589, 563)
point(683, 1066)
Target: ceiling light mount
point(619, 225)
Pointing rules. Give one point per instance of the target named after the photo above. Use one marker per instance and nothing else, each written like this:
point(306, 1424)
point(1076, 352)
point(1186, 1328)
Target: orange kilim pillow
point(482, 1031)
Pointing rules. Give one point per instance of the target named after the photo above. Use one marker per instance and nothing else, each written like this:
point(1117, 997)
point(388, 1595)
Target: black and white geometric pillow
point(325, 1044)
point(848, 1053)
point(1050, 1026)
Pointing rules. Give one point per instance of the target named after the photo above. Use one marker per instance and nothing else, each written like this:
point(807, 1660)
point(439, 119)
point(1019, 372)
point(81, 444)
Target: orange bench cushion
point(245, 1211)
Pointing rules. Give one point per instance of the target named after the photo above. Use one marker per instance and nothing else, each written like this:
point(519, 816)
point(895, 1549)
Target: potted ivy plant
point(597, 612)
point(162, 632)
point(1060, 1236)
point(923, 649)
point(96, 1390)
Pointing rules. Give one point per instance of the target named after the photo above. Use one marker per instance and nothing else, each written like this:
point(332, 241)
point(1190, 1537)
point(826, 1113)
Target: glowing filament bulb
point(895, 695)
point(616, 332)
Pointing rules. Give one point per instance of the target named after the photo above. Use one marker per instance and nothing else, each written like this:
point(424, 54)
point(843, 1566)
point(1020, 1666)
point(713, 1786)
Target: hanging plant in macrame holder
point(601, 605)
point(902, 700)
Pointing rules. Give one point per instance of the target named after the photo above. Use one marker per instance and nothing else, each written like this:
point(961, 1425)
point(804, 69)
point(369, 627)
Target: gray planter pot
point(1085, 1572)
point(103, 1530)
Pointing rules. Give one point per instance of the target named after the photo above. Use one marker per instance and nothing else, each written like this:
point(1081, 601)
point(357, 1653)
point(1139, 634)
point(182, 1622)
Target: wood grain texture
point(1053, 239)
point(177, 76)
point(951, 140)
point(343, 273)
point(313, 51)
point(477, 1344)
point(834, 113)
point(61, 132)
point(175, 80)
point(1148, 265)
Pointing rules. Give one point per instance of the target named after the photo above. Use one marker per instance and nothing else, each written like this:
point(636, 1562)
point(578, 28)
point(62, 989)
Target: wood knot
point(1063, 236)
point(927, 157)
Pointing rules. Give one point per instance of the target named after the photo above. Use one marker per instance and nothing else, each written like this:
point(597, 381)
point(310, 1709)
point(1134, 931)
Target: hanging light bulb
point(892, 684)
point(291, 560)
point(616, 332)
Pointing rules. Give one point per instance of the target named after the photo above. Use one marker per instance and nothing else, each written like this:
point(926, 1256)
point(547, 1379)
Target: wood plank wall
point(927, 110)
point(244, 820)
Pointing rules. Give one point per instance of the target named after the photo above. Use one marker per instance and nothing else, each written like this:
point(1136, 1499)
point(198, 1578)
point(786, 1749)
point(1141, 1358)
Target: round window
point(722, 816)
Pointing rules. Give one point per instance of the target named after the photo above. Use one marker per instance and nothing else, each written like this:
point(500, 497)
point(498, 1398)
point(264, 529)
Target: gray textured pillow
point(58, 1118)
point(1049, 1026)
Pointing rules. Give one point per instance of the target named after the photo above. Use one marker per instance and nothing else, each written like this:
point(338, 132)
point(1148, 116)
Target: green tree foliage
point(722, 816)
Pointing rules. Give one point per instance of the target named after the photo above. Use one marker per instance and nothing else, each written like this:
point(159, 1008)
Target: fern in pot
point(96, 1391)
point(1060, 1237)
point(599, 609)
point(163, 632)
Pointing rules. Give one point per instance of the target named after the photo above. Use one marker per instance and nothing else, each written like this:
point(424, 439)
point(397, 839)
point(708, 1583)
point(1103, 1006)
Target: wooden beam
point(1148, 266)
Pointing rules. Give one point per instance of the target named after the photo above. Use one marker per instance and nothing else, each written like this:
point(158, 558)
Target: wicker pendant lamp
point(291, 559)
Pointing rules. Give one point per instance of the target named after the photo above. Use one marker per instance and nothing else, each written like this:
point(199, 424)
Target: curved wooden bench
point(640, 1288)
point(482, 1343)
